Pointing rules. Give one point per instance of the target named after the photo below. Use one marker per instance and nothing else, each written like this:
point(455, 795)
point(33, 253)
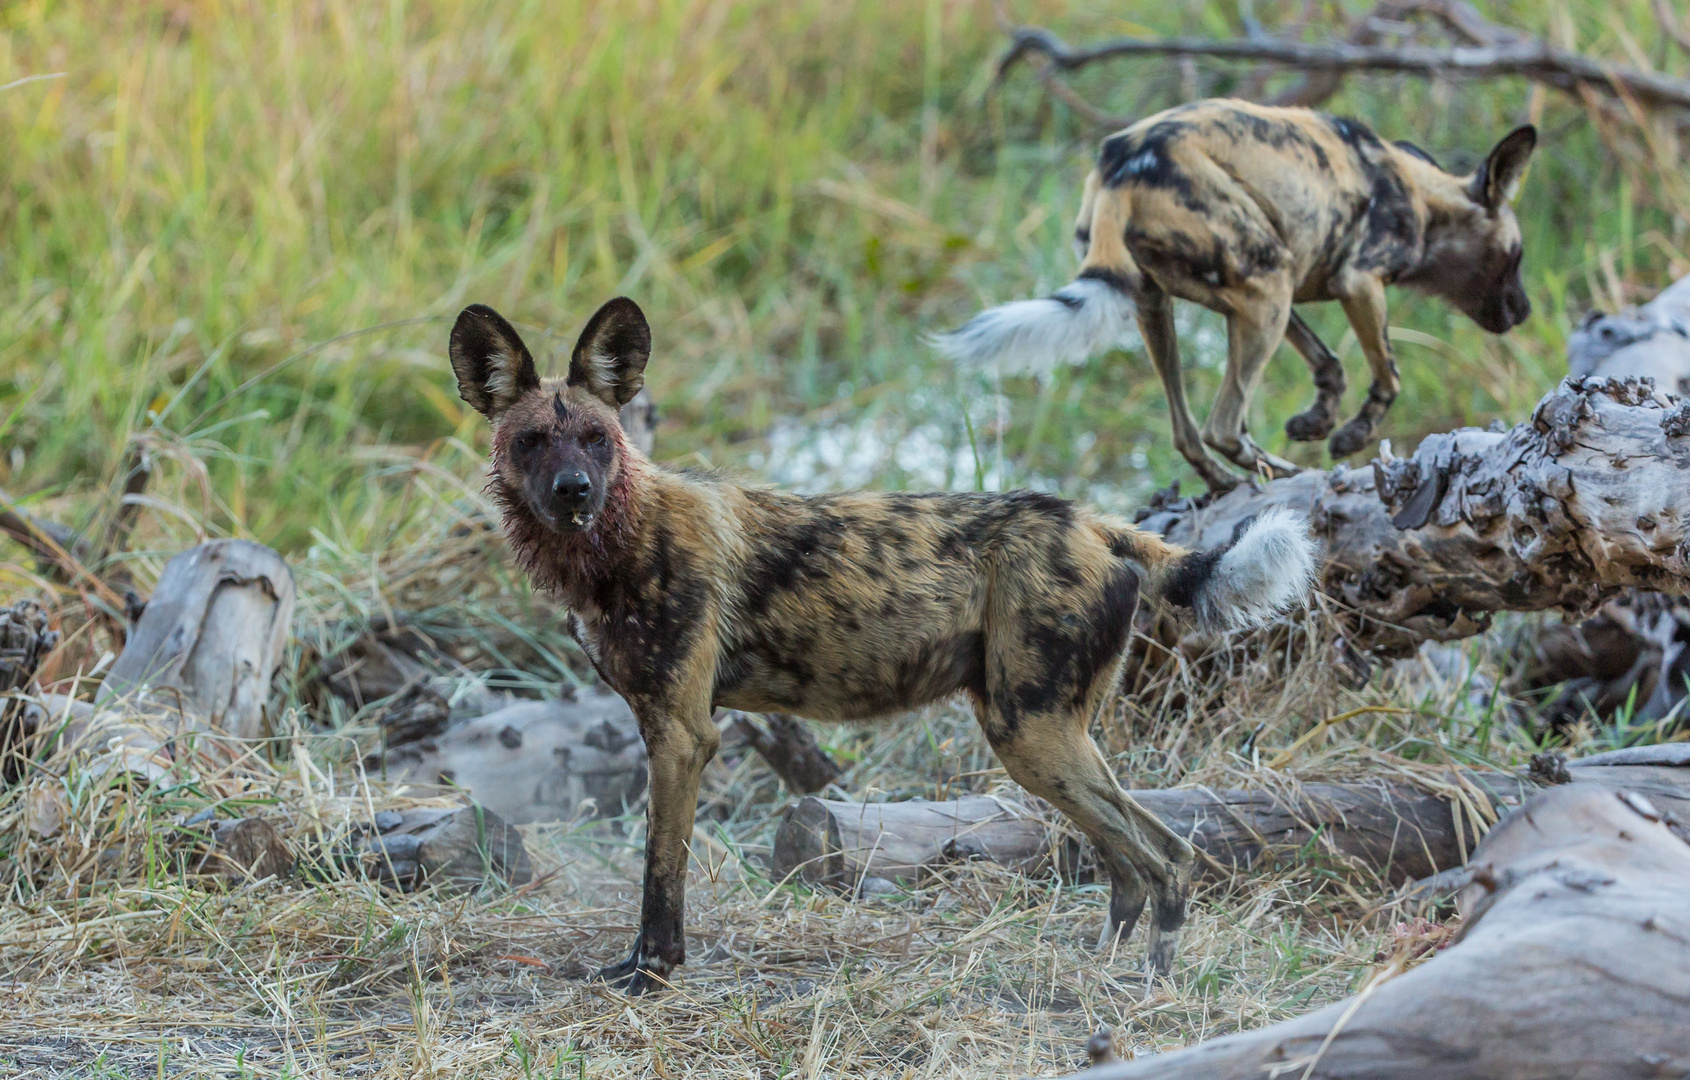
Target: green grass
point(244, 228)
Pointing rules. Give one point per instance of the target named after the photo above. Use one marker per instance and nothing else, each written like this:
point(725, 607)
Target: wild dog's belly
point(853, 652)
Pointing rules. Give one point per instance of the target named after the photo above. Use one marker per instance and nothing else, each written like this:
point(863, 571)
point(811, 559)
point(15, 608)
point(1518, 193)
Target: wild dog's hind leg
point(1365, 306)
point(1052, 756)
point(680, 740)
point(1260, 310)
point(1156, 323)
point(1318, 420)
point(1053, 656)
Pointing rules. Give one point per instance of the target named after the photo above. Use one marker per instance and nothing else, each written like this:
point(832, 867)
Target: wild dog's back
point(1222, 191)
point(857, 604)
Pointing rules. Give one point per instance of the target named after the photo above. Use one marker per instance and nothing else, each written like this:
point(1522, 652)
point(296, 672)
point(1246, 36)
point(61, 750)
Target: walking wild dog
point(689, 591)
point(1248, 209)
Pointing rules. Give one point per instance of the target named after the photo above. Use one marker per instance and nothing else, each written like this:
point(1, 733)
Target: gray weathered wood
point(789, 748)
point(211, 636)
point(455, 846)
point(533, 761)
point(1589, 497)
point(1573, 960)
point(1392, 831)
point(844, 843)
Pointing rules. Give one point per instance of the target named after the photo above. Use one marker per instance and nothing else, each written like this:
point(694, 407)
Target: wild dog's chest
point(640, 645)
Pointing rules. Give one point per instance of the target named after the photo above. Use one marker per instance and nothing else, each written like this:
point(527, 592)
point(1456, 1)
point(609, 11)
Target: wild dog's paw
point(1311, 425)
point(1159, 956)
point(1351, 438)
point(637, 974)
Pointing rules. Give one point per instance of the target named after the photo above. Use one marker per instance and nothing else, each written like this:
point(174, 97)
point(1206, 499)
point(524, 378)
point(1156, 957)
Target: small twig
point(137, 471)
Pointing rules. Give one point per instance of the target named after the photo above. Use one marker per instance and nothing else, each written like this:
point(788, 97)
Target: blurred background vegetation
point(239, 230)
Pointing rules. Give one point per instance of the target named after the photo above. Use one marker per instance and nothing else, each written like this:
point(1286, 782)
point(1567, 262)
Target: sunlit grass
point(246, 226)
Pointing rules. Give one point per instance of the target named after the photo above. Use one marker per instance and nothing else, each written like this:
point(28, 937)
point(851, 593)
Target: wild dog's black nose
point(573, 487)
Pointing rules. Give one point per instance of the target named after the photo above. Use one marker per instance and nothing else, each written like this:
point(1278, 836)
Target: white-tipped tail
point(1081, 319)
point(1268, 569)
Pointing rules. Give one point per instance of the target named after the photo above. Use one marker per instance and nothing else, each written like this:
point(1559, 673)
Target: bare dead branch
point(1506, 54)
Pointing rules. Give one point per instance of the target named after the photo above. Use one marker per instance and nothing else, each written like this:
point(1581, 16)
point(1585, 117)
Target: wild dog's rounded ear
point(493, 366)
point(609, 359)
point(1498, 179)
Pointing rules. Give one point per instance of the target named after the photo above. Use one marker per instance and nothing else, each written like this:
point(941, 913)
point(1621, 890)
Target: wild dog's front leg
point(1365, 306)
point(1318, 420)
point(680, 741)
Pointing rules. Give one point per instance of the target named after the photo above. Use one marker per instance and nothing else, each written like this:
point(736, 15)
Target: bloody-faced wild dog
point(689, 591)
point(1248, 209)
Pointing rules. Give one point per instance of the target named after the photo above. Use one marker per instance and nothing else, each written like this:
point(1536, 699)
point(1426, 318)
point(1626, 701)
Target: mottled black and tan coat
point(1247, 210)
point(690, 591)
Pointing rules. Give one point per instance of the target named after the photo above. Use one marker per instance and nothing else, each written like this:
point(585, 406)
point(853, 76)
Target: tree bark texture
point(1588, 498)
point(1572, 961)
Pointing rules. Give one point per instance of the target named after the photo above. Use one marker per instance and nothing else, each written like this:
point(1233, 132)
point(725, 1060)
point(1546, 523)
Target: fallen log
point(844, 844)
point(1572, 960)
point(1390, 831)
point(533, 761)
point(1633, 654)
point(454, 847)
point(1588, 498)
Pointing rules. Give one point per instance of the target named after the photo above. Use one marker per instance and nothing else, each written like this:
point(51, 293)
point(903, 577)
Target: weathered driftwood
point(447, 846)
point(210, 637)
point(1392, 831)
point(1651, 341)
point(789, 747)
point(1590, 497)
point(533, 761)
point(1572, 960)
point(844, 844)
point(1482, 49)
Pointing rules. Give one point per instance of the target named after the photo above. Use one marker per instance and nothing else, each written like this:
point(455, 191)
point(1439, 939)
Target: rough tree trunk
point(1590, 497)
point(1393, 831)
point(1572, 961)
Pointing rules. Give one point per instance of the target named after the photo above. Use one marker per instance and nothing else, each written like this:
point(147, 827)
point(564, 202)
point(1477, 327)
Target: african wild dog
point(1247, 210)
point(690, 591)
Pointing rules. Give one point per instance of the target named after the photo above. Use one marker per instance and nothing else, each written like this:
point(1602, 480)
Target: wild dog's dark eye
point(530, 440)
point(592, 438)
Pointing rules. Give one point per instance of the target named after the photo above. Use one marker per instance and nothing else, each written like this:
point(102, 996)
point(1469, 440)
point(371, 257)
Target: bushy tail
point(1084, 317)
point(1243, 584)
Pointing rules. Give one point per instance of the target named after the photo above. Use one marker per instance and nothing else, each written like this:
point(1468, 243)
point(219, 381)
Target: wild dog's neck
point(578, 566)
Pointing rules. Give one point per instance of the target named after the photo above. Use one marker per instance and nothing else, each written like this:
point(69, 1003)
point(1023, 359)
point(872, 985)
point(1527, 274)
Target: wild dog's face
point(557, 443)
point(1473, 248)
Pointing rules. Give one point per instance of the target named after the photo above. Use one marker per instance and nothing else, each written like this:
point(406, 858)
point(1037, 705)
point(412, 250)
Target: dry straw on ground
point(118, 959)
